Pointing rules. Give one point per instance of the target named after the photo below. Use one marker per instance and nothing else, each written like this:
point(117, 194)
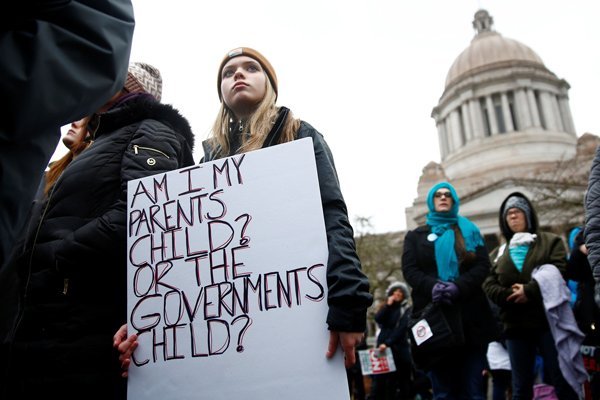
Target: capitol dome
point(490, 50)
point(503, 117)
point(502, 105)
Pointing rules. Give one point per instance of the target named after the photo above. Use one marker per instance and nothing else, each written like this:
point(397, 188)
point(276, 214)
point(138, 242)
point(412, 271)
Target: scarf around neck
point(441, 224)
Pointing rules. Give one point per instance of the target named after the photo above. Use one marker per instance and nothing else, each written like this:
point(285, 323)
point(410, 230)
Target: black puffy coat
point(71, 270)
point(348, 295)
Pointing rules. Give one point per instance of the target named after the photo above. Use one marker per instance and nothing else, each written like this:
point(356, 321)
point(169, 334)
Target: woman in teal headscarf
point(445, 261)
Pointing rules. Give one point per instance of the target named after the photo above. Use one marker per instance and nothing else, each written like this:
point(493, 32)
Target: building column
point(476, 119)
point(565, 110)
point(506, 111)
point(548, 112)
point(466, 120)
point(491, 115)
point(448, 135)
point(522, 106)
point(535, 116)
point(454, 121)
point(442, 141)
point(560, 123)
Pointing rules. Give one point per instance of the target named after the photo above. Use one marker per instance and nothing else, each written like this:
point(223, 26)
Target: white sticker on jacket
point(421, 332)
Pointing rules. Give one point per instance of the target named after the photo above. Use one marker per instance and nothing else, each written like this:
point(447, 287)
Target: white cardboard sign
point(227, 281)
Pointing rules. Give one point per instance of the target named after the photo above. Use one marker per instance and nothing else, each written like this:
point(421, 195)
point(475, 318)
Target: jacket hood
point(506, 232)
point(140, 108)
point(398, 285)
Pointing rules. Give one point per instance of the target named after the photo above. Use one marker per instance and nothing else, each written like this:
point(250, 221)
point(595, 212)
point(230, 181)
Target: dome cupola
point(502, 105)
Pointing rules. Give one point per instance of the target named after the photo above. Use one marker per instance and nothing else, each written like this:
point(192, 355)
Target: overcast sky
point(366, 74)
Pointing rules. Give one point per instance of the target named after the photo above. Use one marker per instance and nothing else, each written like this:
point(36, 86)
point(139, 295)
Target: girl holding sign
point(250, 120)
point(445, 262)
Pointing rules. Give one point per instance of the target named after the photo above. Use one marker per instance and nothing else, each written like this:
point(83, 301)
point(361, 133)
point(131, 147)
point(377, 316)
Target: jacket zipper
point(136, 147)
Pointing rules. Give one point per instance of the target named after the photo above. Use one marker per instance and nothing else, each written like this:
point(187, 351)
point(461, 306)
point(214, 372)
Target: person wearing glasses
point(445, 261)
point(511, 285)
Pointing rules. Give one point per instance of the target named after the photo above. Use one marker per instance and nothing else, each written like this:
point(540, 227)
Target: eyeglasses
point(439, 195)
point(514, 211)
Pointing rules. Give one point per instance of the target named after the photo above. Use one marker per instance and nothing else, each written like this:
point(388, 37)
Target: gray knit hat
point(520, 203)
point(397, 285)
point(142, 77)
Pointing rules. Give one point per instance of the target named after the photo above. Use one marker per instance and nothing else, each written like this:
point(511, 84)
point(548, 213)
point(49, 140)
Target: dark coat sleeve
point(349, 295)
point(592, 217)
point(421, 278)
point(492, 287)
point(61, 60)
point(67, 58)
point(102, 233)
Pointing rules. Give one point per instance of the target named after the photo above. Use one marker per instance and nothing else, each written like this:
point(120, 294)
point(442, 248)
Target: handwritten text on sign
point(214, 248)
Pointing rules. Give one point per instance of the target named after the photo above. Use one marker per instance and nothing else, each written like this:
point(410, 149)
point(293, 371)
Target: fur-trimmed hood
point(138, 109)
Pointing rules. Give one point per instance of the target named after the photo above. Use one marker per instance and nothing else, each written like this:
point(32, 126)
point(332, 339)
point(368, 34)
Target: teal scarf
point(441, 225)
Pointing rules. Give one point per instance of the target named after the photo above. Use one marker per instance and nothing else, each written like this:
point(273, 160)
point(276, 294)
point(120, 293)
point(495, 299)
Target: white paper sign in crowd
point(227, 281)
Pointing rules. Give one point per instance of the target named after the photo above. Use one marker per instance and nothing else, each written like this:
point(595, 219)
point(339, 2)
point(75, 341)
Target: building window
point(487, 131)
point(511, 108)
point(538, 104)
point(497, 102)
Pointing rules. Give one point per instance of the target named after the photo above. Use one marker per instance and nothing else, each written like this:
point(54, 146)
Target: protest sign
point(374, 362)
point(227, 284)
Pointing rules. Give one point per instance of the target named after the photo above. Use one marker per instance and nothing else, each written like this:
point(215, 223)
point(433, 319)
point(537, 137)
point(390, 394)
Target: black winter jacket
point(393, 322)
point(420, 271)
point(71, 270)
point(348, 295)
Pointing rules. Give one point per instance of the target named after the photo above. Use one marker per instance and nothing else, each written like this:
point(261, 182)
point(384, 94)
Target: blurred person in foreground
point(59, 61)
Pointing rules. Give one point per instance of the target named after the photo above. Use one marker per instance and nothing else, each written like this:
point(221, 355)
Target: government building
point(504, 124)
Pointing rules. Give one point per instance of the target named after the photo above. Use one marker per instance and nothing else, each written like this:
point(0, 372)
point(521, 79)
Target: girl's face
point(442, 200)
point(76, 133)
point(243, 85)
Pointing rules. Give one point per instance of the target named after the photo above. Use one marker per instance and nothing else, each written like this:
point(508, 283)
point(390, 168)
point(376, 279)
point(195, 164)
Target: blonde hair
point(259, 125)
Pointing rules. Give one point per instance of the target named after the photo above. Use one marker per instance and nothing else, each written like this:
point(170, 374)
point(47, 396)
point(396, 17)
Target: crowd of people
point(509, 310)
point(463, 312)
